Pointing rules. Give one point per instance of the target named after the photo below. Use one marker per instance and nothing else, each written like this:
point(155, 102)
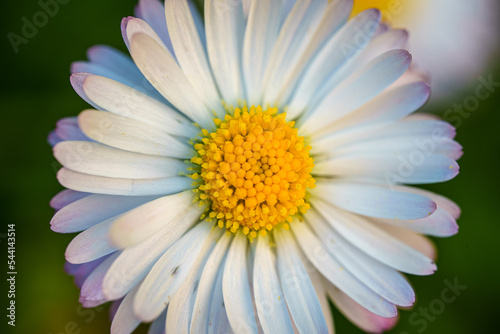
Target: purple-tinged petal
point(85, 269)
point(53, 138)
point(67, 129)
point(66, 197)
point(77, 80)
point(91, 292)
point(113, 308)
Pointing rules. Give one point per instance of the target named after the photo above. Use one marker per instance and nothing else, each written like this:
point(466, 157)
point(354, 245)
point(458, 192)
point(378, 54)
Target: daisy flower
point(237, 172)
point(464, 31)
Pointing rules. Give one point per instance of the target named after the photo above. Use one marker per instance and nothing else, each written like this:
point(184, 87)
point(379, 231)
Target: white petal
point(391, 105)
point(169, 272)
point(385, 41)
point(383, 280)
point(225, 27)
point(112, 64)
point(129, 187)
point(405, 145)
point(143, 222)
point(132, 27)
point(131, 135)
point(261, 34)
point(448, 205)
point(286, 9)
point(236, 289)
point(93, 209)
point(100, 160)
point(167, 77)
point(357, 314)
point(135, 262)
point(77, 80)
point(317, 281)
point(416, 241)
point(393, 168)
point(125, 321)
point(337, 51)
point(198, 21)
point(375, 242)
point(246, 7)
point(180, 308)
point(269, 298)
point(329, 267)
point(374, 200)
point(201, 309)
point(437, 130)
point(359, 88)
point(91, 244)
point(218, 321)
point(128, 102)
point(191, 53)
point(299, 292)
point(439, 224)
point(294, 38)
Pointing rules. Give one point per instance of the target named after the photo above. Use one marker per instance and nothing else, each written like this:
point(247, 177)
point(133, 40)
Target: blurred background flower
point(454, 41)
point(35, 93)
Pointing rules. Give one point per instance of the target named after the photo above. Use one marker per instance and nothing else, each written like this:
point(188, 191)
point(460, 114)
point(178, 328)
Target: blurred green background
point(35, 92)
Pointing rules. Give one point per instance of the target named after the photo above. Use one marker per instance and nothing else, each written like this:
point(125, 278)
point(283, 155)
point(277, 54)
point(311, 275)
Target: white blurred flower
point(453, 40)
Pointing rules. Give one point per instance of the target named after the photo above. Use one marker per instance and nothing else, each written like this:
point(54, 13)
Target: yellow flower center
point(253, 171)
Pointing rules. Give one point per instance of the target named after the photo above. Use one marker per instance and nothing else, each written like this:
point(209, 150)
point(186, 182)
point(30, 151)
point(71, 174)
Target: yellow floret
point(254, 171)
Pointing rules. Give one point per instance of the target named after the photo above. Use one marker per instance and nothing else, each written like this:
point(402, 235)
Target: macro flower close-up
point(236, 173)
point(250, 166)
